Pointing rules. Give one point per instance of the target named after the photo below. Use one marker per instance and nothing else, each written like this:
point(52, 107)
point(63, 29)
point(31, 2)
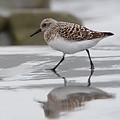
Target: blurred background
point(19, 18)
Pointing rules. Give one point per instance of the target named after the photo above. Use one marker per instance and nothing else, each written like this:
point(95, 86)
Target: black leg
point(89, 79)
point(65, 81)
point(91, 63)
point(53, 69)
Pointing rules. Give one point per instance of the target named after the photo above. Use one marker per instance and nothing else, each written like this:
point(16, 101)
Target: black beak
point(37, 31)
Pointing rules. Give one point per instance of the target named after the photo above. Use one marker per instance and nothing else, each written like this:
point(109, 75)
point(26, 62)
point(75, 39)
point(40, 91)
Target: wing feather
point(75, 32)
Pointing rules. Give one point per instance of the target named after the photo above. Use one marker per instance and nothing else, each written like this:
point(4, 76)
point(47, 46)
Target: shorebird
point(69, 38)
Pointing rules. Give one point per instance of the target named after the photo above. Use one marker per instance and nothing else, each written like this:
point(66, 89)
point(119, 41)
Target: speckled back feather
point(75, 32)
point(72, 32)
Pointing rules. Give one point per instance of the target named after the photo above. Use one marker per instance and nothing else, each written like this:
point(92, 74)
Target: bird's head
point(45, 25)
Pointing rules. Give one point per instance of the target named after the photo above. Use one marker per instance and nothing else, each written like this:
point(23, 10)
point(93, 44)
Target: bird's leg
point(89, 79)
point(91, 63)
point(53, 69)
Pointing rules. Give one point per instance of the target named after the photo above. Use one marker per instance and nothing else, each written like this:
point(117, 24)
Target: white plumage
point(71, 47)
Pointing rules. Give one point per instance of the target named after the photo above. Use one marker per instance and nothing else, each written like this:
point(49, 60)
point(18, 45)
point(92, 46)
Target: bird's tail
point(107, 34)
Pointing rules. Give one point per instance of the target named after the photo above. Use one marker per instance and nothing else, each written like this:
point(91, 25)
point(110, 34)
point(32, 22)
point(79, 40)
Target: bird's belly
point(72, 47)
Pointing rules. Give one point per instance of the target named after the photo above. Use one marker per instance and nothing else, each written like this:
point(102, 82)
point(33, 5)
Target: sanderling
point(69, 38)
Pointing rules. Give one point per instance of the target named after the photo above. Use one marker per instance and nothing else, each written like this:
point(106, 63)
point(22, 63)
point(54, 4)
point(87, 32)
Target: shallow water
point(24, 81)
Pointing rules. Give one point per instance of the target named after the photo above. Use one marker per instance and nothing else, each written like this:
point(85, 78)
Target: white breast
point(71, 47)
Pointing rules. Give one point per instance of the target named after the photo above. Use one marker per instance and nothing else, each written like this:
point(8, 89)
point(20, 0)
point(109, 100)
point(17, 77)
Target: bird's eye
point(44, 24)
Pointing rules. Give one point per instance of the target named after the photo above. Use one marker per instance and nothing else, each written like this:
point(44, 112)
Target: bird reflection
point(89, 78)
point(65, 81)
point(69, 97)
point(55, 72)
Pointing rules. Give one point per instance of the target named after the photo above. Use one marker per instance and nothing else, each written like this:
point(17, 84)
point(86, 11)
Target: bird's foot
point(52, 69)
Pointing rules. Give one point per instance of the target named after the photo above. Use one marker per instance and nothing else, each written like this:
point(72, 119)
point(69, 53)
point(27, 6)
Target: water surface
point(24, 80)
